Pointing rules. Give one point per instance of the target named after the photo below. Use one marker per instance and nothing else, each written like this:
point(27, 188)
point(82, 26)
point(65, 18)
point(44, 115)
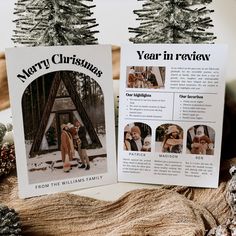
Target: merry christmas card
point(63, 117)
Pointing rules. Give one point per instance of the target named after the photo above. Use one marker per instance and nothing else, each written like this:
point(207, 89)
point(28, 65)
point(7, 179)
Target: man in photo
point(140, 80)
point(136, 143)
point(151, 78)
point(82, 145)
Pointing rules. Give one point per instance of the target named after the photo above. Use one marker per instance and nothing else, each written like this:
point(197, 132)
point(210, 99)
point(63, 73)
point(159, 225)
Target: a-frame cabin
point(63, 105)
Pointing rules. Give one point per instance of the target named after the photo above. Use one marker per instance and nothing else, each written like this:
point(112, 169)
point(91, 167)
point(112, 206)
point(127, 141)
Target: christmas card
point(170, 121)
point(63, 117)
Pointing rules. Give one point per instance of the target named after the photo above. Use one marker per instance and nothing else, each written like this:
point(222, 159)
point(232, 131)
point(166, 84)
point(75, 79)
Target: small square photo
point(146, 77)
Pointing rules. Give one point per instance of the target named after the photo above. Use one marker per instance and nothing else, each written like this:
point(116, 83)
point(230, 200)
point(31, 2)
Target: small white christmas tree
point(173, 21)
point(54, 22)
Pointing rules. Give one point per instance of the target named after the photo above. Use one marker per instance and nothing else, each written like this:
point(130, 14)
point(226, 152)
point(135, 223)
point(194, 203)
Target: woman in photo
point(127, 138)
point(173, 141)
point(67, 148)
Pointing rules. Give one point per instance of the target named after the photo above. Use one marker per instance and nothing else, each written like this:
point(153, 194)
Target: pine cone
point(7, 159)
point(9, 222)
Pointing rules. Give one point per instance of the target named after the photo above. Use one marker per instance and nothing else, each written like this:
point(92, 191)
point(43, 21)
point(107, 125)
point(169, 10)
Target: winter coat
point(67, 147)
point(152, 79)
point(82, 136)
point(133, 145)
point(173, 145)
point(131, 80)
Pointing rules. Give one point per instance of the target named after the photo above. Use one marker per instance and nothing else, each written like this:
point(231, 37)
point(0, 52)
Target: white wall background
point(115, 16)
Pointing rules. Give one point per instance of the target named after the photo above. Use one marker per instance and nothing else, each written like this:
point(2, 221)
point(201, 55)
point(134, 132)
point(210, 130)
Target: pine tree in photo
point(54, 22)
point(173, 21)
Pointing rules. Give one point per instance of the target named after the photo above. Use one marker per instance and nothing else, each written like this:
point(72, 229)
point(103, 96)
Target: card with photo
point(62, 117)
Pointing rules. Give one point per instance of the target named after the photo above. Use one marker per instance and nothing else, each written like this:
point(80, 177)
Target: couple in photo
point(73, 138)
point(133, 140)
point(144, 79)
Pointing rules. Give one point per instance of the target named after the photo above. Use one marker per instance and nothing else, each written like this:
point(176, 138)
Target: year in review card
point(171, 113)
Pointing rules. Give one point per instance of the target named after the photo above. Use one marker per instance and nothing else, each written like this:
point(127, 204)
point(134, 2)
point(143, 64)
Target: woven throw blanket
point(168, 211)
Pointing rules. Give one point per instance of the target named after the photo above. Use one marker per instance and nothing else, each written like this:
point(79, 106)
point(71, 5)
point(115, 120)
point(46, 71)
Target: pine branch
point(47, 22)
point(172, 21)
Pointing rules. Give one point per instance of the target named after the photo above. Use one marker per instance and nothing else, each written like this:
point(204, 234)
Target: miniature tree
point(54, 22)
point(173, 21)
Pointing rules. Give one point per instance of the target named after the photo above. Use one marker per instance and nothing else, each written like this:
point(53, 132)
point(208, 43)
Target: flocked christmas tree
point(54, 22)
point(173, 21)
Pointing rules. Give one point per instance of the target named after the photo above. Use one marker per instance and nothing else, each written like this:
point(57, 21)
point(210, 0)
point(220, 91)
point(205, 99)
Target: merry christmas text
point(58, 59)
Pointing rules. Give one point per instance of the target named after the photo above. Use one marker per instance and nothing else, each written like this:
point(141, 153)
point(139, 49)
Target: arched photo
point(200, 140)
point(169, 138)
point(64, 126)
point(147, 77)
point(137, 137)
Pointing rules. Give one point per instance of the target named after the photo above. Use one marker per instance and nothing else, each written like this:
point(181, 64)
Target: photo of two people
point(137, 137)
point(148, 77)
point(64, 127)
point(73, 138)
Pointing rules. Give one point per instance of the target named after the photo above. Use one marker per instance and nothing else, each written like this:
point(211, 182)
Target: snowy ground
point(48, 167)
point(43, 172)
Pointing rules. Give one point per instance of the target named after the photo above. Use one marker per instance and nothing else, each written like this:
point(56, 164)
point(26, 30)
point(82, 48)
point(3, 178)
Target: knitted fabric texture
point(165, 211)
